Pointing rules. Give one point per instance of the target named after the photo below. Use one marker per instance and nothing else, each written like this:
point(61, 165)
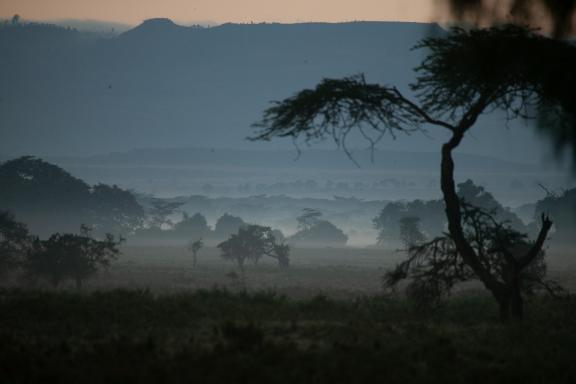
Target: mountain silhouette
point(165, 85)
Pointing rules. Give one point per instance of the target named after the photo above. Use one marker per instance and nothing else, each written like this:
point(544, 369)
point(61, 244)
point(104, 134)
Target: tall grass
point(218, 336)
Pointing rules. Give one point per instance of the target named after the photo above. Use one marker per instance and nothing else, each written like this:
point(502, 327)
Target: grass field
point(334, 272)
point(152, 318)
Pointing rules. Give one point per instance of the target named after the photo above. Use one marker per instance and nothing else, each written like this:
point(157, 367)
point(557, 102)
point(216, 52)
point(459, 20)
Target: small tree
point(321, 233)
point(160, 211)
point(431, 214)
point(251, 243)
point(71, 256)
point(195, 226)
point(15, 241)
point(226, 225)
point(410, 233)
point(434, 267)
point(195, 247)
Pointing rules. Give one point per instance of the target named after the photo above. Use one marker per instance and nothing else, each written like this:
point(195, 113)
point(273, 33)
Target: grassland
point(152, 318)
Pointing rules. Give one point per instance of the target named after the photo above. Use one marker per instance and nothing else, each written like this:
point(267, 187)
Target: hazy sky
point(219, 11)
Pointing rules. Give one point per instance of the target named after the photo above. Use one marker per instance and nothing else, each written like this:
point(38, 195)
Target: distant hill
point(319, 173)
point(319, 159)
point(164, 85)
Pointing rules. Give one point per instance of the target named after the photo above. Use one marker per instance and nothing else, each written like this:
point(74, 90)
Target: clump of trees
point(227, 225)
point(316, 232)
point(465, 75)
point(50, 199)
point(14, 242)
point(432, 217)
point(61, 257)
point(161, 226)
point(251, 243)
point(70, 256)
point(410, 232)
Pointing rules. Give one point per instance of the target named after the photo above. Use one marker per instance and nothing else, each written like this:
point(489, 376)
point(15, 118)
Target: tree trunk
point(454, 217)
point(504, 308)
point(516, 300)
point(516, 306)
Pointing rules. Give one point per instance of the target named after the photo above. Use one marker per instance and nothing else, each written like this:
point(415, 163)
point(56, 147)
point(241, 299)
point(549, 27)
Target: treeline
point(430, 219)
point(48, 199)
point(60, 257)
point(313, 230)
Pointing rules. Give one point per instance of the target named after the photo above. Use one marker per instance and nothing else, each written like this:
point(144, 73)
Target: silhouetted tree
point(321, 233)
point(431, 215)
point(70, 256)
point(410, 233)
point(478, 197)
point(308, 218)
point(49, 199)
point(278, 235)
point(195, 247)
point(192, 226)
point(115, 210)
point(251, 243)
point(434, 267)
point(465, 75)
point(226, 225)
point(160, 211)
point(15, 241)
point(563, 208)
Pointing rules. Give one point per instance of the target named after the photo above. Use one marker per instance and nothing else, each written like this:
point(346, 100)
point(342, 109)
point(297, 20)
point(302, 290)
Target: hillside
point(164, 85)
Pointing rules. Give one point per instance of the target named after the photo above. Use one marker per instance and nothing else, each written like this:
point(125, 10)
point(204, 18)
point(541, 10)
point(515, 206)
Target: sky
point(220, 11)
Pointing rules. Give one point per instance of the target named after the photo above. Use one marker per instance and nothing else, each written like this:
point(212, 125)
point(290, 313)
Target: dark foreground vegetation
point(216, 336)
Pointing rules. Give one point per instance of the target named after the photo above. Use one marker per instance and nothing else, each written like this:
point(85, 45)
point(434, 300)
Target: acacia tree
point(70, 256)
point(466, 74)
point(410, 233)
point(434, 267)
point(252, 242)
point(195, 247)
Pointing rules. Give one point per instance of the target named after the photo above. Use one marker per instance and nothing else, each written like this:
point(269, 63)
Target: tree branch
point(537, 246)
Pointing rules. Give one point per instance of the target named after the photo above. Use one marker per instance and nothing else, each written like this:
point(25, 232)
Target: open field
point(335, 272)
point(216, 336)
point(152, 318)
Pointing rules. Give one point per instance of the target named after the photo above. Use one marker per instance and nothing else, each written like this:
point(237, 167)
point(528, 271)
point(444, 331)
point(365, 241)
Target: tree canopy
point(70, 256)
point(251, 243)
point(464, 75)
point(49, 199)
